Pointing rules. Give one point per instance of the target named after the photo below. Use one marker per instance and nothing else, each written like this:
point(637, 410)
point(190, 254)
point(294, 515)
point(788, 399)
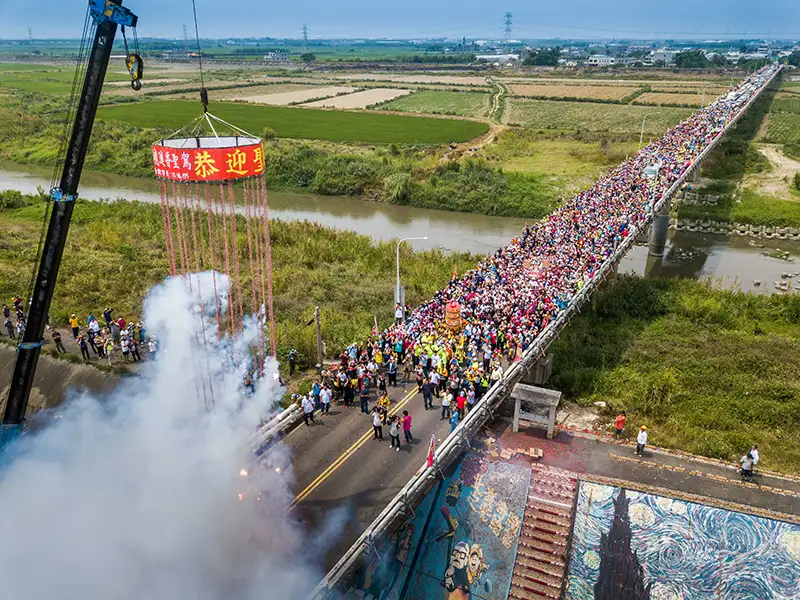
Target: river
point(729, 261)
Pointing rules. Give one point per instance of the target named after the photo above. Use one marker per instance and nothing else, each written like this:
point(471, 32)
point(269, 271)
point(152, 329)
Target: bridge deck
point(339, 467)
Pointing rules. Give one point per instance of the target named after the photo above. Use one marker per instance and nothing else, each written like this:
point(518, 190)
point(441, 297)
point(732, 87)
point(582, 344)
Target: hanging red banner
point(208, 164)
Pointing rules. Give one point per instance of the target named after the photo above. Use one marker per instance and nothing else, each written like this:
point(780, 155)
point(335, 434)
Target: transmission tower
point(185, 42)
point(507, 27)
point(305, 38)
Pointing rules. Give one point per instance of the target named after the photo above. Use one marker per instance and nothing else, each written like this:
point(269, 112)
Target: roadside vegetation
point(708, 371)
point(115, 253)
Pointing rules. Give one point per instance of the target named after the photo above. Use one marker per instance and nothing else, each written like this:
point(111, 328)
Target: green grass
point(786, 105)
point(783, 127)
point(465, 104)
point(587, 116)
point(751, 208)
point(115, 253)
point(36, 85)
point(708, 371)
point(303, 123)
point(570, 164)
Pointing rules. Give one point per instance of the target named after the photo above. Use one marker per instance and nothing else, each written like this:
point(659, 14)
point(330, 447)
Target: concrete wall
point(54, 378)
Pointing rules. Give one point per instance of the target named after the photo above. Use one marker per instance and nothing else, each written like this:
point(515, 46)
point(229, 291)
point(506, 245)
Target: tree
point(308, 57)
point(794, 58)
point(691, 59)
point(719, 61)
point(621, 576)
point(544, 57)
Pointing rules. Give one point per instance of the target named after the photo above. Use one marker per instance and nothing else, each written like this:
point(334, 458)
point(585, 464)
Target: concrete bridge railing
point(458, 441)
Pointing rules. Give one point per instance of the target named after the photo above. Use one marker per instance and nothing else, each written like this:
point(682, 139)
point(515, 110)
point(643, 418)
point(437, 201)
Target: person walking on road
point(407, 427)
point(746, 463)
point(394, 433)
point(73, 322)
point(308, 410)
point(754, 455)
point(619, 424)
point(427, 393)
point(461, 402)
point(363, 396)
point(84, 348)
point(377, 425)
point(325, 395)
point(398, 314)
point(57, 341)
point(447, 400)
point(641, 441)
point(391, 371)
point(9, 327)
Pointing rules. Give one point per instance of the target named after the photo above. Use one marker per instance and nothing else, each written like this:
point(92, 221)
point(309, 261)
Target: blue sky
point(425, 18)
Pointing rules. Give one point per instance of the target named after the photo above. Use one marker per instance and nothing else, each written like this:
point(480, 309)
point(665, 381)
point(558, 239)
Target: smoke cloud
point(136, 495)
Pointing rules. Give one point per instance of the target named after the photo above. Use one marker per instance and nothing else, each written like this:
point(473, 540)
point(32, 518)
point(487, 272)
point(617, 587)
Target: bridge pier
point(540, 372)
point(658, 232)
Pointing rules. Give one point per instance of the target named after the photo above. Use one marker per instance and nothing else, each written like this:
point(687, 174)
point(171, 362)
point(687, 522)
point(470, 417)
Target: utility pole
point(305, 38)
point(30, 41)
point(507, 27)
point(320, 346)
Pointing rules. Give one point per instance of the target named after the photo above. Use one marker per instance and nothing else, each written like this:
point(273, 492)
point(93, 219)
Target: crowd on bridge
point(511, 296)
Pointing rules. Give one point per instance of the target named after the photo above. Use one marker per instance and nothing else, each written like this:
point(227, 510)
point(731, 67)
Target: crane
point(105, 16)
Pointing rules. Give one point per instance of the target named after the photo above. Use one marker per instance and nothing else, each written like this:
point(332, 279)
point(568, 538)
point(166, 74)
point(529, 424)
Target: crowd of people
point(112, 340)
point(510, 297)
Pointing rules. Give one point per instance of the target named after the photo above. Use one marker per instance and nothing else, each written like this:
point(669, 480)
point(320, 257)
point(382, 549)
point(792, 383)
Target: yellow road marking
point(345, 455)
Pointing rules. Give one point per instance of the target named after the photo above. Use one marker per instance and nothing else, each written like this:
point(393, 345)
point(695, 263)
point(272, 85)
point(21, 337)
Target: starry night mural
point(629, 545)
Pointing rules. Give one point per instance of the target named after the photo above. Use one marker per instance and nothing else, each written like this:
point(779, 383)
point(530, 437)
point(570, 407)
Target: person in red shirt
point(461, 401)
point(407, 426)
point(619, 423)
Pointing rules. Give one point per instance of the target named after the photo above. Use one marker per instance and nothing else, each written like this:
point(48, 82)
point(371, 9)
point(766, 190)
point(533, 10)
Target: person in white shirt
point(308, 409)
point(447, 400)
point(754, 454)
point(377, 424)
point(747, 466)
point(641, 441)
point(325, 395)
point(398, 314)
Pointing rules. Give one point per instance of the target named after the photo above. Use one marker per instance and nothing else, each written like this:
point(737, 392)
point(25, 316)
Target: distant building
point(601, 60)
point(498, 59)
point(664, 55)
point(277, 56)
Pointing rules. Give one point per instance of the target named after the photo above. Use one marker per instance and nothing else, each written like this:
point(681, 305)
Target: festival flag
point(431, 450)
point(375, 327)
point(455, 273)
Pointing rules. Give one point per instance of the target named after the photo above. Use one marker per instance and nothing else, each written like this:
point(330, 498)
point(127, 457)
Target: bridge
point(339, 469)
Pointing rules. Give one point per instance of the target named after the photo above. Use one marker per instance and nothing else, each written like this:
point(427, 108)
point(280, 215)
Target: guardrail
point(416, 488)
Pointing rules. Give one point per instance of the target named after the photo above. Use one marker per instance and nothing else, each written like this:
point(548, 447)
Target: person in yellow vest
point(73, 322)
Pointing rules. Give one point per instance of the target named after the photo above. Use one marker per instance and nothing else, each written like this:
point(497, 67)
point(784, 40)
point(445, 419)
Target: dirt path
point(778, 181)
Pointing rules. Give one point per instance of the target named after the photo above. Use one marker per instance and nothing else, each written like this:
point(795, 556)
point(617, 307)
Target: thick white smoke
point(135, 495)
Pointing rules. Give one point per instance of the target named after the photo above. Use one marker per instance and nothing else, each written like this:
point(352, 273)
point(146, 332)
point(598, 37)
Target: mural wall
point(632, 546)
point(461, 544)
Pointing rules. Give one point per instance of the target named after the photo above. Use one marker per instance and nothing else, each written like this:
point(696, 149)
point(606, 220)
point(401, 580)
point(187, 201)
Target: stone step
point(537, 576)
point(543, 536)
point(546, 516)
point(546, 527)
point(547, 591)
point(527, 553)
point(541, 566)
point(519, 593)
point(540, 545)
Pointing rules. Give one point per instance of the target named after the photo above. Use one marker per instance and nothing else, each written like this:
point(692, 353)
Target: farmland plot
point(588, 92)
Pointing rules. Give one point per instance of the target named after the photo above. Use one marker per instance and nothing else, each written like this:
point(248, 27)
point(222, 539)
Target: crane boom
point(107, 14)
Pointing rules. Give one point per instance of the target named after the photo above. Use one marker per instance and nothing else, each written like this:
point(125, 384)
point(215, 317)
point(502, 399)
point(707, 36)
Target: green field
point(588, 116)
point(42, 79)
point(783, 127)
point(465, 104)
point(303, 123)
point(786, 105)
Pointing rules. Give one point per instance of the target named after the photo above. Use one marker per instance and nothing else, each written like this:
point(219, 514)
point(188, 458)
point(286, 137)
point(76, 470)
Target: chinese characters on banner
point(493, 510)
point(208, 164)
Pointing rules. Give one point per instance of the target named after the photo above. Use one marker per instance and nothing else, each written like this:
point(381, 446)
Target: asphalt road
point(343, 478)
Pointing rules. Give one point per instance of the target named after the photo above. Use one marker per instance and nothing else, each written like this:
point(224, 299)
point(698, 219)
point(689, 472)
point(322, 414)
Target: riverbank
point(709, 371)
point(115, 253)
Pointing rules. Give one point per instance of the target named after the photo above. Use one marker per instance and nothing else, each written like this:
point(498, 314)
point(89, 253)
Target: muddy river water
point(731, 261)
